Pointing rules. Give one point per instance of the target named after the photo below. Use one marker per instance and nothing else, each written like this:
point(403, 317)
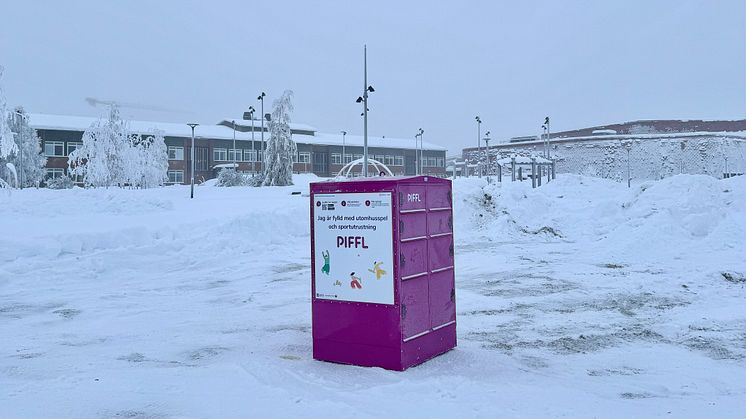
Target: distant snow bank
point(650, 218)
point(655, 217)
point(47, 223)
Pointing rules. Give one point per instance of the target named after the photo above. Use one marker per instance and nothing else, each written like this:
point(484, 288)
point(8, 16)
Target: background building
point(646, 149)
point(318, 153)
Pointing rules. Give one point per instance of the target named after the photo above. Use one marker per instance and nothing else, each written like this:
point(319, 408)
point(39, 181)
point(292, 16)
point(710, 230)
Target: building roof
point(738, 135)
point(658, 126)
point(221, 132)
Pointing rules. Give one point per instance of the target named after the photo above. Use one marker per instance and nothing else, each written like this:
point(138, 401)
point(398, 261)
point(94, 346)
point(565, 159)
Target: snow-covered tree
point(7, 144)
point(150, 160)
point(106, 148)
point(278, 157)
point(28, 160)
point(112, 155)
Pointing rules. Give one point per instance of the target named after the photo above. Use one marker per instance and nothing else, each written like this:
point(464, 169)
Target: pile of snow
point(578, 298)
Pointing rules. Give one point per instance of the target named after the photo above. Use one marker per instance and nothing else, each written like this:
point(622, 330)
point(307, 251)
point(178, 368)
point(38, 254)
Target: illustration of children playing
point(355, 283)
point(377, 270)
point(325, 268)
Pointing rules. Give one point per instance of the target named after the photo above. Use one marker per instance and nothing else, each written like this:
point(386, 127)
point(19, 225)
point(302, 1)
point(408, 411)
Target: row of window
point(433, 162)
point(57, 149)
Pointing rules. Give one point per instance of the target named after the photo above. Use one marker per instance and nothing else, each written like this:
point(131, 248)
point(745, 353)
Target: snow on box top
point(328, 185)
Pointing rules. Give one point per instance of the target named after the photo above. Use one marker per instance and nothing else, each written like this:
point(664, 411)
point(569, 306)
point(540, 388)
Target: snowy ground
point(581, 298)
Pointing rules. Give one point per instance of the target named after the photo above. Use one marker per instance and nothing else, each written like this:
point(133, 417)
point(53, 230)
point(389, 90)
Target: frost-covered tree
point(7, 144)
point(112, 155)
point(150, 160)
point(106, 148)
point(28, 160)
point(278, 158)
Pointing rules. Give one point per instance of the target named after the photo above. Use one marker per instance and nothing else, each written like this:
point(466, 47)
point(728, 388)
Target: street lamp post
point(344, 159)
point(191, 195)
point(546, 146)
point(235, 165)
point(487, 143)
point(422, 152)
point(250, 115)
point(364, 100)
point(479, 144)
point(20, 149)
point(416, 158)
point(261, 99)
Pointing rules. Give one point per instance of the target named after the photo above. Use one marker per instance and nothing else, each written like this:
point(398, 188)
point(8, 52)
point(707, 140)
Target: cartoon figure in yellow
point(377, 270)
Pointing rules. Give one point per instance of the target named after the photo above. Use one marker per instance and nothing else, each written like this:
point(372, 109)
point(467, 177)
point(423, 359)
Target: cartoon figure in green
point(325, 268)
point(377, 270)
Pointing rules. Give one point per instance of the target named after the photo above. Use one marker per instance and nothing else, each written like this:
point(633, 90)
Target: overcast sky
point(434, 64)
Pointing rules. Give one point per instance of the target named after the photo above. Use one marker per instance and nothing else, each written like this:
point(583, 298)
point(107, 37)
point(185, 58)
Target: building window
point(358, 156)
point(348, 158)
point(201, 155)
point(220, 154)
point(53, 173)
point(389, 160)
point(441, 162)
point(54, 149)
point(234, 152)
point(175, 153)
point(398, 160)
point(336, 158)
point(175, 176)
point(72, 147)
point(379, 158)
point(249, 155)
point(304, 157)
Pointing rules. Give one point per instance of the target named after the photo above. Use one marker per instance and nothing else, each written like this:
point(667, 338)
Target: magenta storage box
point(382, 286)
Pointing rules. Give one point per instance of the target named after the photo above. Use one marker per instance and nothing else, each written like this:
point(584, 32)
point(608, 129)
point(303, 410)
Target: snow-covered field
point(581, 298)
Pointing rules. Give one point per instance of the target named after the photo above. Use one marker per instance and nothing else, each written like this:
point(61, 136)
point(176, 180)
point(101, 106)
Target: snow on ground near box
point(579, 298)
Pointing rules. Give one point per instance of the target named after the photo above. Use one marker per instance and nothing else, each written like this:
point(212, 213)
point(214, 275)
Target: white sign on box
point(353, 247)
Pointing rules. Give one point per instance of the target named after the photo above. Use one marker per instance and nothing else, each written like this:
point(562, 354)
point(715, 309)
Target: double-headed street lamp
point(20, 149)
point(487, 143)
point(250, 115)
point(364, 100)
point(261, 99)
point(191, 195)
point(422, 155)
point(546, 135)
point(479, 143)
point(344, 159)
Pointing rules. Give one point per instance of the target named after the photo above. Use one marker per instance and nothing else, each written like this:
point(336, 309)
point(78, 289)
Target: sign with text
point(353, 247)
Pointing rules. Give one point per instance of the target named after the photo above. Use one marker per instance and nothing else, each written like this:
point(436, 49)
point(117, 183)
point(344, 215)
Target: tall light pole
point(344, 160)
point(479, 143)
point(261, 99)
point(250, 115)
point(544, 138)
point(235, 165)
point(546, 147)
point(191, 195)
point(364, 100)
point(487, 142)
point(422, 155)
point(20, 149)
point(416, 157)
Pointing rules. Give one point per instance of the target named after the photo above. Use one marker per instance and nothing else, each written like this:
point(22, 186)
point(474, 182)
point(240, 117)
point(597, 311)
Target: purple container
point(382, 288)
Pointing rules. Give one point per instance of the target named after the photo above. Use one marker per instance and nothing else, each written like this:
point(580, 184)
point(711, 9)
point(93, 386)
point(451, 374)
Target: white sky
point(434, 64)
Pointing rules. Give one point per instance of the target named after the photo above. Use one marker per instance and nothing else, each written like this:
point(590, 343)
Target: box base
point(411, 353)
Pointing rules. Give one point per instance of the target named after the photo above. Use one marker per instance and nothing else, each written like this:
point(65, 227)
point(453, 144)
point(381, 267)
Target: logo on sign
point(413, 197)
